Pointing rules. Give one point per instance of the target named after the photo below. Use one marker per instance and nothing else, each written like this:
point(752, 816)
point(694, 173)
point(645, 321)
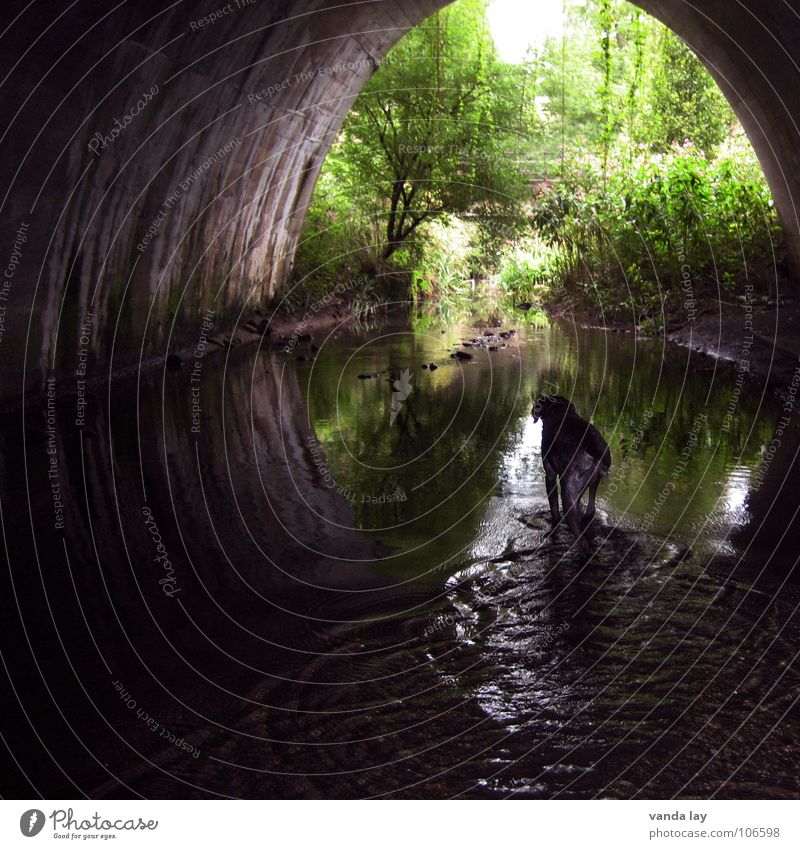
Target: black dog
point(575, 458)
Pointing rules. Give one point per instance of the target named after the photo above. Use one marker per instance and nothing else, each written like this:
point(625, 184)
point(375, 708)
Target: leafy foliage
point(673, 226)
point(605, 171)
point(435, 130)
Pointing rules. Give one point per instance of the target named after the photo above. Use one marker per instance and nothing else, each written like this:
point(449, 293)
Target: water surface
point(365, 600)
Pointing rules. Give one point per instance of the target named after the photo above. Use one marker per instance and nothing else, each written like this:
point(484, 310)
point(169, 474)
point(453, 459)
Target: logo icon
point(31, 822)
point(402, 389)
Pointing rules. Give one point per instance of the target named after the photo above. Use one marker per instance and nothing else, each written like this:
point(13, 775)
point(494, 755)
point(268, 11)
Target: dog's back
point(565, 436)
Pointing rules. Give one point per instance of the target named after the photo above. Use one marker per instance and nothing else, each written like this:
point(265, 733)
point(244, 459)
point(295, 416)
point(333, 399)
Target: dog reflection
point(575, 458)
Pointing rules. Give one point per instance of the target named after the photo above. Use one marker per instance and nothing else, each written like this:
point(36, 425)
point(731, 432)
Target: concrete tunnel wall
point(213, 134)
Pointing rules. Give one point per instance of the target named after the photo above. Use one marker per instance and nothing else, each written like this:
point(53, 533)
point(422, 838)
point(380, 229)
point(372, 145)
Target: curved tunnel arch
point(147, 141)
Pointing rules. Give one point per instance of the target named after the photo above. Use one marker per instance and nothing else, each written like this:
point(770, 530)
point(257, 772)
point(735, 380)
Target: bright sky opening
point(519, 24)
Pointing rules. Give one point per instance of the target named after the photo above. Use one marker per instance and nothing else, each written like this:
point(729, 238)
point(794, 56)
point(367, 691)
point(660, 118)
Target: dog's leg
point(571, 491)
point(589, 513)
point(551, 482)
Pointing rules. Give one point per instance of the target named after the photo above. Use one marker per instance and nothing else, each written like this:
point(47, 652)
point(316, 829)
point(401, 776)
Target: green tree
point(566, 178)
point(440, 127)
point(684, 101)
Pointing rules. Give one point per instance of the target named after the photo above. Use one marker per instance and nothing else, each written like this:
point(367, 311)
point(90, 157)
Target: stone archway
point(161, 155)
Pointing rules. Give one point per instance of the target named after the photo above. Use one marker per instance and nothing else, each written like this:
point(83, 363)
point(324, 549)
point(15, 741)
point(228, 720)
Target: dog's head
point(546, 405)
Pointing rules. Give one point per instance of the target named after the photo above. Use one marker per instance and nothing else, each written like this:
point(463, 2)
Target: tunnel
point(198, 603)
point(158, 162)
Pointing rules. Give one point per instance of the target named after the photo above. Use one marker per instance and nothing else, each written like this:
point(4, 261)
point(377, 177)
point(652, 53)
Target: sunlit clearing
point(517, 25)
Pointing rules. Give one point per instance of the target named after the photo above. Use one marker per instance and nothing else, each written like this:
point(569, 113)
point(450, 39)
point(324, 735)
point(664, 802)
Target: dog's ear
point(536, 412)
point(561, 401)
